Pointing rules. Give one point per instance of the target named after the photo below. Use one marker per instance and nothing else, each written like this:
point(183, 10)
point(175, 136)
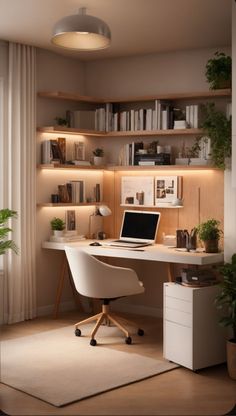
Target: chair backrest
point(96, 279)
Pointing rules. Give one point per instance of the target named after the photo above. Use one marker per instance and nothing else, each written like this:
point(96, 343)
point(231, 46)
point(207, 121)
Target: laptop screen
point(140, 226)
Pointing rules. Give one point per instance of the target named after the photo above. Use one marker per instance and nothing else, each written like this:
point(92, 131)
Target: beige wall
point(137, 76)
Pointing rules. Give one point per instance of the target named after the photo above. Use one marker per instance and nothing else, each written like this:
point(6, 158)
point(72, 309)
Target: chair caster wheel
point(140, 332)
point(128, 340)
point(77, 332)
point(93, 342)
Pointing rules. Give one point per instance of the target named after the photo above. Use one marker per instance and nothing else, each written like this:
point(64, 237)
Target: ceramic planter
point(98, 161)
point(58, 233)
point(231, 358)
point(211, 246)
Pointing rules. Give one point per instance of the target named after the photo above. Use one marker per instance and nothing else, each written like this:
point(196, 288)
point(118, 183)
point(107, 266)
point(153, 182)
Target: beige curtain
point(19, 181)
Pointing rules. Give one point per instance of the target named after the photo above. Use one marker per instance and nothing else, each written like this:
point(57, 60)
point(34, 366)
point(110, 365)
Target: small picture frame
point(79, 150)
point(70, 220)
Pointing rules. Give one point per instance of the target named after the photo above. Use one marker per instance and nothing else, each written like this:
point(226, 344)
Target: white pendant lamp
point(81, 32)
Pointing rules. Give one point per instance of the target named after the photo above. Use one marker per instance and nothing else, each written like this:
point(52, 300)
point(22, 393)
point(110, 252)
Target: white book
point(115, 122)
point(191, 116)
point(132, 123)
point(157, 120)
point(188, 115)
point(136, 120)
point(195, 116)
point(108, 116)
point(141, 119)
point(164, 120)
point(84, 119)
point(154, 120)
point(146, 162)
point(148, 119)
point(123, 121)
point(228, 110)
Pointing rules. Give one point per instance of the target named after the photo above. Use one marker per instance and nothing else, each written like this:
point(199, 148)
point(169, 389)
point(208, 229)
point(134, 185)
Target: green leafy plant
point(226, 300)
point(57, 224)
point(195, 149)
point(98, 152)
point(209, 230)
point(5, 244)
point(62, 121)
point(218, 128)
point(219, 71)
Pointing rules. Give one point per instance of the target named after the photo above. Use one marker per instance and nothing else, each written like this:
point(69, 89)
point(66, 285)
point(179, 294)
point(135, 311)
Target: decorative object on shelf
point(167, 190)
point(187, 240)
point(219, 71)
point(198, 154)
point(98, 156)
point(79, 151)
point(209, 232)
point(218, 128)
point(57, 226)
point(81, 32)
point(137, 190)
point(70, 220)
point(102, 211)
point(63, 122)
point(5, 244)
point(226, 300)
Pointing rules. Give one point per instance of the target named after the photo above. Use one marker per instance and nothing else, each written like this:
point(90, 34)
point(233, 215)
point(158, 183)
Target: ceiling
point(138, 26)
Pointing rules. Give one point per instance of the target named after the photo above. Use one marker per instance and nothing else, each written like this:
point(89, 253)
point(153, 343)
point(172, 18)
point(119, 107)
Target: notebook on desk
point(138, 229)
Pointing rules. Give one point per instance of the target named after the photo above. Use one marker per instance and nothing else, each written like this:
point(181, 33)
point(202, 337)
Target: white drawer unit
point(192, 335)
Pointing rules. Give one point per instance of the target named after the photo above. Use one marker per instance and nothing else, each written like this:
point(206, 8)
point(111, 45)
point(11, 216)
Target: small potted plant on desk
point(209, 232)
point(226, 300)
point(57, 226)
point(98, 156)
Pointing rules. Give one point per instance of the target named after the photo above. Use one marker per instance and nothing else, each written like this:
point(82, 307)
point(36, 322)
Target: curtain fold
point(20, 178)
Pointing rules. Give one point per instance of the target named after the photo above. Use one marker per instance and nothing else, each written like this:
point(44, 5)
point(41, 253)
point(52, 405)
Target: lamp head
point(104, 210)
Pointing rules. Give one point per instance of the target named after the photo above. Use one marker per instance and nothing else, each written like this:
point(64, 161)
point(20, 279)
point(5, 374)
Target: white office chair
point(99, 280)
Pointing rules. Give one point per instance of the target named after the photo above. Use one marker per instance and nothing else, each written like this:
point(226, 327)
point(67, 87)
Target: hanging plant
point(218, 128)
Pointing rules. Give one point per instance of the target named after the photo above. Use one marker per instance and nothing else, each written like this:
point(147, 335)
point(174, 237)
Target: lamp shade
point(104, 210)
point(81, 32)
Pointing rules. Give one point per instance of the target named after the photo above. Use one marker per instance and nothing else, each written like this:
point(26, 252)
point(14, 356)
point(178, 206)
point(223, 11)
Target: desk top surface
point(156, 252)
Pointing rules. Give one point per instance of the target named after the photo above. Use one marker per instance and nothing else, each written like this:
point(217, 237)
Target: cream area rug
point(60, 368)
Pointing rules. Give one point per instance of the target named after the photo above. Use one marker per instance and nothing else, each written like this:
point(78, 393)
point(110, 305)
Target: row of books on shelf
point(59, 151)
point(133, 154)
point(72, 192)
point(162, 116)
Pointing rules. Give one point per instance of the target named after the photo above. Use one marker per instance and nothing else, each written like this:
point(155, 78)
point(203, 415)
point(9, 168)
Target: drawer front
point(179, 317)
point(178, 304)
point(177, 291)
point(178, 345)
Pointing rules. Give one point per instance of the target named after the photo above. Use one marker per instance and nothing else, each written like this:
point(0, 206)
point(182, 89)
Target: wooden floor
point(178, 392)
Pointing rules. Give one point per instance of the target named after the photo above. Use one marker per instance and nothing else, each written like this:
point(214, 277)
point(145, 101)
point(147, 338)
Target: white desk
point(157, 252)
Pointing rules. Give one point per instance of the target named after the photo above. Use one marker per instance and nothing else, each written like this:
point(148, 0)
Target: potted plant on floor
point(226, 300)
point(5, 244)
point(219, 71)
point(57, 226)
point(209, 232)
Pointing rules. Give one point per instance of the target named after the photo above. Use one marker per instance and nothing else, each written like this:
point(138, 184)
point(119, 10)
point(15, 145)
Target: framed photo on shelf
point(79, 150)
point(137, 191)
point(167, 189)
point(70, 220)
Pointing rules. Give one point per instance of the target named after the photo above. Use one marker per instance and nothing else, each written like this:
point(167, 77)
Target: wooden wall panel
point(203, 194)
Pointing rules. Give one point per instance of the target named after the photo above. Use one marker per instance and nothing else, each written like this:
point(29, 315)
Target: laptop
point(138, 229)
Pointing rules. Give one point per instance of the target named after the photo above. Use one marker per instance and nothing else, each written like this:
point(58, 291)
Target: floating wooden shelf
point(61, 166)
point(70, 204)
point(70, 130)
point(136, 133)
point(59, 95)
point(124, 168)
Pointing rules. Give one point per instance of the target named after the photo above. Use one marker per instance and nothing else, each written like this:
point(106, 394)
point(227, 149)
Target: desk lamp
point(102, 210)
